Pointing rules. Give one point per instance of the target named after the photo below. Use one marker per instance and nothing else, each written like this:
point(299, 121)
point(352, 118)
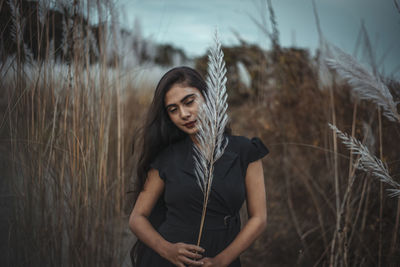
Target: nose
point(185, 114)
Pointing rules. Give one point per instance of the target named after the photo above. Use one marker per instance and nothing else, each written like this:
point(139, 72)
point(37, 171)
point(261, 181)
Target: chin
point(190, 131)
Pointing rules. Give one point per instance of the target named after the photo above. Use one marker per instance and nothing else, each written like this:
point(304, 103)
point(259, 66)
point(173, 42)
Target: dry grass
point(300, 182)
point(69, 129)
point(68, 155)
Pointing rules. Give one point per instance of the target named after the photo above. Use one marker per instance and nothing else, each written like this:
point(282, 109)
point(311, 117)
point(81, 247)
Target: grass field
point(70, 108)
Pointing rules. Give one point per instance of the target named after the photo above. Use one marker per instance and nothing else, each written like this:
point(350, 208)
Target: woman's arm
point(177, 253)
point(257, 210)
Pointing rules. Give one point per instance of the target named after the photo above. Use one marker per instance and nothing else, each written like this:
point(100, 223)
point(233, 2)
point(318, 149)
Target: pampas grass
point(211, 122)
point(366, 85)
point(368, 162)
point(66, 131)
point(59, 131)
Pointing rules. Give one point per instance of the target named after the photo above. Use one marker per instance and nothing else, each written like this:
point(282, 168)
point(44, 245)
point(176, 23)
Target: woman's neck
point(194, 139)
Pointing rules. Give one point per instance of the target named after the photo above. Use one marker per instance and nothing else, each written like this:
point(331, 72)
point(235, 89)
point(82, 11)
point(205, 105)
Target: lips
point(190, 124)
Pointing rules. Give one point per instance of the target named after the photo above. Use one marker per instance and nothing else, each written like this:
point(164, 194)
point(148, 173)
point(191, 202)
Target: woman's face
point(182, 103)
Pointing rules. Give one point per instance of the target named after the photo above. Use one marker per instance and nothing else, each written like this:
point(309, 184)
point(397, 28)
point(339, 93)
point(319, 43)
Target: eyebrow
point(182, 100)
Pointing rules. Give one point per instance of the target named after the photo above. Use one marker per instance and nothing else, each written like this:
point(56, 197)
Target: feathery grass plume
point(18, 29)
point(18, 23)
point(366, 85)
point(368, 162)
point(91, 39)
point(325, 78)
point(66, 29)
point(42, 8)
point(211, 122)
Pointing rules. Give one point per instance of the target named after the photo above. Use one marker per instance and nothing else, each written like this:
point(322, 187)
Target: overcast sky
point(190, 24)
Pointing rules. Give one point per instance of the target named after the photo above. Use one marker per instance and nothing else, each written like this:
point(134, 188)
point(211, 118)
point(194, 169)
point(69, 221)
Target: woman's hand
point(182, 254)
point(212, 262)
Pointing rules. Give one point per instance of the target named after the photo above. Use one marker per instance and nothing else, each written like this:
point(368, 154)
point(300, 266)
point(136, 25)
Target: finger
point(191, 262)
point(207, 262)
point(194, 248)
point(192, 255)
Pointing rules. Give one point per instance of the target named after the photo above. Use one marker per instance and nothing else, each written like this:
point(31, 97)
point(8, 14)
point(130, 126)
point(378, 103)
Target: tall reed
point(68, 146)
point(326, 212)
point(212, 120)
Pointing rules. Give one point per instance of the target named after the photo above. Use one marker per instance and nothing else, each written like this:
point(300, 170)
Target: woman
point(167, 211)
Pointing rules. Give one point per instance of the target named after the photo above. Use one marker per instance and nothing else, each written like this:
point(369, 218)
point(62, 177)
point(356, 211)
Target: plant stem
point(380, 191)
point(203, 214)
point(335, 160)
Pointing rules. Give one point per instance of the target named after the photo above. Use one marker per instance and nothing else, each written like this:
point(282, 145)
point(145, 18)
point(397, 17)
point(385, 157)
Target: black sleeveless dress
point(183, 198)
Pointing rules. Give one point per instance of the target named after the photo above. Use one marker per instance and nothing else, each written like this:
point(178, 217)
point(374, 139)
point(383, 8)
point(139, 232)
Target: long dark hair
point(156, 134)
point(158, 130)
